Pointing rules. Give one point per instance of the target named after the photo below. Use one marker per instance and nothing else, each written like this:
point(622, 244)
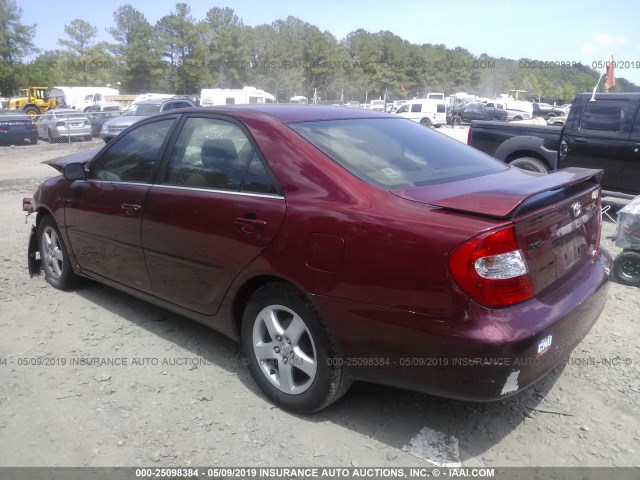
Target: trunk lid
point(556, 217)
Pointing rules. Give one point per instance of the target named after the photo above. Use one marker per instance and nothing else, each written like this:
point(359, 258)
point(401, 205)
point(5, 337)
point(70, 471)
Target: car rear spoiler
point(509, 199)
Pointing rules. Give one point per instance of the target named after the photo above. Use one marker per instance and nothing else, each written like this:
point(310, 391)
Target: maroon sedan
point(335, 244)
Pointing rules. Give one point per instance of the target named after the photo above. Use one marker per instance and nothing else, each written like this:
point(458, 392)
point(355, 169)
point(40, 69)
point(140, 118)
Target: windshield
point(142, 110)
point(394, 153)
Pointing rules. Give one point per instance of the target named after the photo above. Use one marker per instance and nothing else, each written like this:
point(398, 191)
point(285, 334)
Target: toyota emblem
point(576, 209)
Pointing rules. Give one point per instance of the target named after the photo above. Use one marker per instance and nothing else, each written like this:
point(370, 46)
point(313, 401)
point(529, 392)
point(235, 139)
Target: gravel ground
point(184, 397)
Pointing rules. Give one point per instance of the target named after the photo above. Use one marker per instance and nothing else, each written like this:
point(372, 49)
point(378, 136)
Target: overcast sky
point(578, 31)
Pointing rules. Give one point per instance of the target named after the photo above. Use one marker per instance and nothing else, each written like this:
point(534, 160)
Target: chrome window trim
point(214, 190)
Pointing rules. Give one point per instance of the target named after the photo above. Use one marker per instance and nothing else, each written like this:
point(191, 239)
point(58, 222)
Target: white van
point(426, 112)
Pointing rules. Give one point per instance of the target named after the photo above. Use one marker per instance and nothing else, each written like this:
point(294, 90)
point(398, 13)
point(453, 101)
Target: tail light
point(33, 126)
point(491, 269)
point(469, 134)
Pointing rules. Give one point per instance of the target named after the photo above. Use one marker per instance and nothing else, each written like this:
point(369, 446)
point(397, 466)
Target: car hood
point(501, 194)
point(80, 157)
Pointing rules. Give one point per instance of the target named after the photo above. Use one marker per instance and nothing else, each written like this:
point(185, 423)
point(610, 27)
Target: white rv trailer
point(229, 96)
point(150, 96)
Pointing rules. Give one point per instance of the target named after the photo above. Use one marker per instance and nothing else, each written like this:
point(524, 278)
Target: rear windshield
point(70, 115)
point(395, 153)
point(142, 110)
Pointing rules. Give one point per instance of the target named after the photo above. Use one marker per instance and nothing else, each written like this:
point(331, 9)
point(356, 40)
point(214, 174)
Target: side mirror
point(74, 171)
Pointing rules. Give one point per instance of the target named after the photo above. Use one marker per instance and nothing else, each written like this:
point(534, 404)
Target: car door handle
point(130, 208)
point(581, 139)
point(249, 225)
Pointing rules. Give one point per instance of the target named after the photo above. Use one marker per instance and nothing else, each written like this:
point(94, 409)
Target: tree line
point(181, 54)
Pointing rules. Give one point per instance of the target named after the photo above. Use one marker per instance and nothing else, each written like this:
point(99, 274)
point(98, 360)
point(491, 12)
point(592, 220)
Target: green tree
point(16, 42)
point(179, 40)
point(138, 61)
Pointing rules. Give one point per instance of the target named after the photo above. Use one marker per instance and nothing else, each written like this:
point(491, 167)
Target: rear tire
point(425, 122)
point(50, 137)
point(626, 268)
point(289, 351)
point(530, 164)
point(32, 111)
point(54, 255)
point(34, 140)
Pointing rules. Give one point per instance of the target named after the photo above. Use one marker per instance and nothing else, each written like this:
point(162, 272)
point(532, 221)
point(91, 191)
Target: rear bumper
point(6, 137)
point(486, 355)
point(74, 132)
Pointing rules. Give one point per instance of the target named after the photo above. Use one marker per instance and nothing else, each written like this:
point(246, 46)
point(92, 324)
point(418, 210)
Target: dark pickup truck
point(479, 111)
point(603, 134)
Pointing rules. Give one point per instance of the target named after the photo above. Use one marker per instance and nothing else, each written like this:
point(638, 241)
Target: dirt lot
point(184, 397)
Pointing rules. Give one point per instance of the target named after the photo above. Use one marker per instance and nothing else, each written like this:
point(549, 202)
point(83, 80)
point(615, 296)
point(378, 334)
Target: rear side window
point(604, 115)
point(394, 153)
point(216, 154)
point(442, 108)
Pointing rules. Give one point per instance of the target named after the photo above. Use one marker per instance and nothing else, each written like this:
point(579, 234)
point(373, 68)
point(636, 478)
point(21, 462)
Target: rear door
point(212, 213)
point(103, 213)
point(598, 138)
point(632, 165)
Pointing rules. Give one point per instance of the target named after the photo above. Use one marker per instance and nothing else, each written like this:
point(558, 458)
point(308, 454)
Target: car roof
point(66, 110)
point(160, 101)
point(291, 113)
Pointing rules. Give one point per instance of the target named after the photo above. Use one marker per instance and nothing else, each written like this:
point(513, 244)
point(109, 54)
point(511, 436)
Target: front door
point(598, 139)
point(103, 214)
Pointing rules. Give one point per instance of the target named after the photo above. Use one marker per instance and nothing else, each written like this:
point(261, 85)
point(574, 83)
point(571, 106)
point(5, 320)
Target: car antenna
point(593, 95)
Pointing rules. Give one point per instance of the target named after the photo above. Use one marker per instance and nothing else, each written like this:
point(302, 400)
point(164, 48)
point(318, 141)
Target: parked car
point(61, 123)
point(512, 115)
point(335, 244)
point(138, 111)
point(16, 126)
point(547, 111)
point(99, 119)
point(479, 111)
point(557, 120)
point(602, 133)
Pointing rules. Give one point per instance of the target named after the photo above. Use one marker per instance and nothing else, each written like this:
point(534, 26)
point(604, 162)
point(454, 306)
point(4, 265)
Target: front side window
point(134, 156)
point(216, 154)
point(416, 107)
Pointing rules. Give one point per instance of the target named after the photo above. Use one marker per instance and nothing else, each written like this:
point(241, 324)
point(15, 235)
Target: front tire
point(530, 164)
point(291, 356)
point(626, 268)
point(54, 255)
